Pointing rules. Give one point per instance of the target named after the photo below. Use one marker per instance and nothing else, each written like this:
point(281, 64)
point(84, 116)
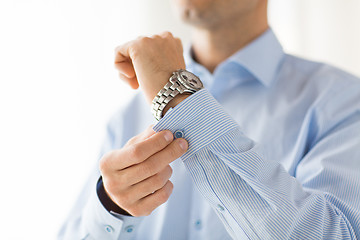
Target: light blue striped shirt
point(274, 153)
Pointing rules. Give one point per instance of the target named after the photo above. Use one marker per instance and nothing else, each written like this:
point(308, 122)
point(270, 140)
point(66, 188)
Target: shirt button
point(198, 224)
point(179, 134)
point(220, 208)
point(109, 229)
point(129, 229)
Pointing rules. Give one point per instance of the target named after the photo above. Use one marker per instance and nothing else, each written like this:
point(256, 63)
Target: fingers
point(136, 177)
point(145, 206)
point(142, 136)
point(149, 131)
point(172, 152)
point(170, 36)
point(136, 153)
point(144, 149)
point(166, 34)
point(122, 52)
point(149, 185)
point(156, 162)
point(125, 67)
point(132, 82)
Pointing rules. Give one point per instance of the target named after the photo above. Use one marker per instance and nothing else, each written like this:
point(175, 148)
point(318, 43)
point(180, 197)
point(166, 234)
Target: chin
point(192, 11)
point(216, 13)
point(195, 18)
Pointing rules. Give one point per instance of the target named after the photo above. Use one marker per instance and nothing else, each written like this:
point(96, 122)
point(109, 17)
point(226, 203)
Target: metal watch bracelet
point(164, 96)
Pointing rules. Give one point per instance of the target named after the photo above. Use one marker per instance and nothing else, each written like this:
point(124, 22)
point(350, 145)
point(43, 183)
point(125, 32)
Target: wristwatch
point(181, 81)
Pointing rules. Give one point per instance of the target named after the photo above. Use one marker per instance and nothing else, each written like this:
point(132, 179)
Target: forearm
point(262, 199)
point(251, 193)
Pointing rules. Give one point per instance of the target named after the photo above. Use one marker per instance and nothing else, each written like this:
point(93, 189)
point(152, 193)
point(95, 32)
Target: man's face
point(214, 13)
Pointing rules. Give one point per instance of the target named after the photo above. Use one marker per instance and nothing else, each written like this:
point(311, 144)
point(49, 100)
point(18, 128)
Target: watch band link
point(165, 95)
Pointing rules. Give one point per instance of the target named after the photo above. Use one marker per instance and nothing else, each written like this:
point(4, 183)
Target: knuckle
point(158, 180)
point(167, 34)
point(159, 143)
point(104, 162)
point(134, 211)
point(102, 165)
point(133, 139)
point(122, 179)
point(133, 51)
point(166, 174)
point(135, 152)
point(125, 199)
point(109, 185)
point(165, 192)
point(144, 40)
point(163, 196)
point(169, 170)
point(171, 187)
point(146, 212)
point(157, 37)
point(147, 169)
point(175, 151)
point(138, 211)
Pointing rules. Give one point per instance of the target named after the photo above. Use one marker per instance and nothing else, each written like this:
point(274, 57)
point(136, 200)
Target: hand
point(136, 177)
point(148, 62)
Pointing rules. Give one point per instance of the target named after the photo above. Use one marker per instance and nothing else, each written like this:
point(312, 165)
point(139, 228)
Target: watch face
point(191, 80)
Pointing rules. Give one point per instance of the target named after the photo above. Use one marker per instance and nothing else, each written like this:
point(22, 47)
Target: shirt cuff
point(192, 119)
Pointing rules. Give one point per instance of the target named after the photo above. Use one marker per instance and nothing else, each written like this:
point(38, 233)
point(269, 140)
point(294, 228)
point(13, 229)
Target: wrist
point(180, 85)
point(174, 102)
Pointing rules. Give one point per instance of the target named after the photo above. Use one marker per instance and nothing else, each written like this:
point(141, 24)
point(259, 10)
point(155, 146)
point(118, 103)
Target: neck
point(213, 46)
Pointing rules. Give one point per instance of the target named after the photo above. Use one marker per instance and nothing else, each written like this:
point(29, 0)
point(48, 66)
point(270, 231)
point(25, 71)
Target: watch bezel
point(188, 87)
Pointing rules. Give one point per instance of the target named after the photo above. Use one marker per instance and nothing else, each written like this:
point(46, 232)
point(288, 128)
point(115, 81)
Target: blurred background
point(58, 87)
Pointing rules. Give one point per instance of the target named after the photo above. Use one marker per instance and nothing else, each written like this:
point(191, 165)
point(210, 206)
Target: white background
point(58, 87)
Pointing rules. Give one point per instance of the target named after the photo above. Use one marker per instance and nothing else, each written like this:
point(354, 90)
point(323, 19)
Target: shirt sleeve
point(255, 197)
point(89, 219)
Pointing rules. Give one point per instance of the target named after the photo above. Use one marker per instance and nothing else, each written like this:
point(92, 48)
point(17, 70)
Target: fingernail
point(168, 136)
point(183, 144)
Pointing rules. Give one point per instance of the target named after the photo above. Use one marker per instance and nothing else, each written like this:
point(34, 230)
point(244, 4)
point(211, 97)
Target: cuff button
point(129, 229)
point(109, 229)
point(179, 134)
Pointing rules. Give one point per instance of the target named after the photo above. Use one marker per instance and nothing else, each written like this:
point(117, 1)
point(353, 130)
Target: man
point(268, 149)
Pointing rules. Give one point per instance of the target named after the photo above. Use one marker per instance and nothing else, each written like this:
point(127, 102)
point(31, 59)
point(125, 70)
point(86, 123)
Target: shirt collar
point(261, 57)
